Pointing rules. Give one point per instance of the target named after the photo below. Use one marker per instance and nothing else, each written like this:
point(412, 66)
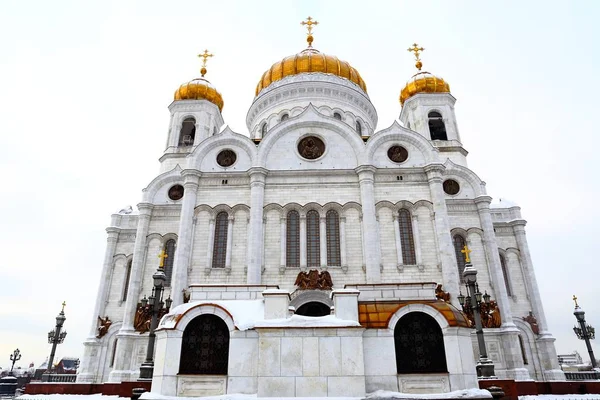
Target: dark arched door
point(419, 344)
point(205, 346)
point(314, 309)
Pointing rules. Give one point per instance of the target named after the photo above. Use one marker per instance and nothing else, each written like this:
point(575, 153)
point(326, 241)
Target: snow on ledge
point(503, 203)
point(300, 321)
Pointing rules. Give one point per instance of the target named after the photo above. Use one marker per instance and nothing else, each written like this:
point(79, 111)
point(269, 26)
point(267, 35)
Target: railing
point(63, 378)
point(582, 375)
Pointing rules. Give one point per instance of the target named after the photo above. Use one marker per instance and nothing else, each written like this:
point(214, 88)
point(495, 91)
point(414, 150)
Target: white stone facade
point(353, 177)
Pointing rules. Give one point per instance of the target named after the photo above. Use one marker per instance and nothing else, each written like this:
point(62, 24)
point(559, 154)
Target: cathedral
point(315, 255)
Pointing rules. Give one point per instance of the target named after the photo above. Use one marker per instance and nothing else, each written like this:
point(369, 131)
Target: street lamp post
point(55, 337)
point(584, 331)
point(14, 357)
point(156, 305)
point(472, 302)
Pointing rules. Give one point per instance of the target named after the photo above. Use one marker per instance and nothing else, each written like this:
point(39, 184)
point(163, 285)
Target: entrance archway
point(205, 346)
point(419, 344)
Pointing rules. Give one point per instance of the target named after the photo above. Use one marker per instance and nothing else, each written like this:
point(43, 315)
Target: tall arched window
point(313, 239)
point(220, 246)
point(523, 353)
point(334, 257)
point(263, 129)
point(284, 117)
point(292, 240)
point(127, 277)
point(459, 244)
point(419, 344)
point(114, 353)
point(437, 129)
point(205, 346)
point(505, 274)
point(169, 250)
point(188, 132)
point(407, 240)
point(337, 116)
point(358, 128)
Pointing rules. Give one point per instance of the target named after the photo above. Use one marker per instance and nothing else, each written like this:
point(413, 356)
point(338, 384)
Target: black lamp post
point(55, 337)
point(472, 304)
point(156, 307)
point(14, 357)
point(584, 331)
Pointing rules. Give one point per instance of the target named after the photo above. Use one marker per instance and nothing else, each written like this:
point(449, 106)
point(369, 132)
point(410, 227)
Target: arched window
point(334, 257)
point(220, 246)
point(284, 117)
point(263, 129)
point(437, 129)
point(337, 116)
point(407, 240)
point(358, 128)
point(505, 274)
point(169, 250)
point(292, 242)
point(459, 244)
point(127, 277)
point(205, 346)
point(188, 132)
point(313, 239)
point(419, 344)
point(523, 353)
point(114, 353)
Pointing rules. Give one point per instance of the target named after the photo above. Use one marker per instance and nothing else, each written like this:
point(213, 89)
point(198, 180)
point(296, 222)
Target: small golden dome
point(423, 82)
point(310, 60)
point(199, 89)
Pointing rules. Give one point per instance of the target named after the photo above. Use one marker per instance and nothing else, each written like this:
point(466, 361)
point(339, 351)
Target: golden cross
point(466, 252)
point(204, 57)
point(162, 257)
point(309, 27)
point(64, 303)
point(575, 300)
point(417, 50)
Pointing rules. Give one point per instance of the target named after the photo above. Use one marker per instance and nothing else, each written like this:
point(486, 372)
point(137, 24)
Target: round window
point(451, 186)
point(176, 192)
point(397, 154)
point(226, 158)
point(311, 147)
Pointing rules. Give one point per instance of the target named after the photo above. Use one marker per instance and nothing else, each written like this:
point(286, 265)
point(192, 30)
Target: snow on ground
point(457, 394)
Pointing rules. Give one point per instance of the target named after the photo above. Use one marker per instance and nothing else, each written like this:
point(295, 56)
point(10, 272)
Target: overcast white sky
point(84, 90)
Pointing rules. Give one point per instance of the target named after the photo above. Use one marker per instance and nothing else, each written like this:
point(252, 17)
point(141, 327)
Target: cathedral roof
point(200, 88)
point(310, 60)
point(422, 82)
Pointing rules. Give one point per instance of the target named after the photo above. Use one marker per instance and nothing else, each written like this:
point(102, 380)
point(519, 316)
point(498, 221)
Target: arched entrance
point(314, 309)
point(419, 344)
point(205, 346)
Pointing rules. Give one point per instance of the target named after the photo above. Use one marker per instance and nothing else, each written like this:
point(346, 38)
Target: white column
point(179, 283)
point(371, 245)
point(489, 240)
point(230, 220)
point(323, 241)
point(450, 277)
point(343, 243)
point(398, 243)
point(257, 197)
point(127, 335)
point(417, 239)
point(263, 245)
point(107, 266)
point(302, 241)
point(435, 240)
point(534, 295)
point(211, 243)
point(283, 242)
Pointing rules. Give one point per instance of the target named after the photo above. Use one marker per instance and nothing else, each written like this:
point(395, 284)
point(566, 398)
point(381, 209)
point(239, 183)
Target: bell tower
point(428, 109)
point(195, 116)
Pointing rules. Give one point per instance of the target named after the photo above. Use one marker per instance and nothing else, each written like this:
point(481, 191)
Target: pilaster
point(371, 245)
point(258, 177)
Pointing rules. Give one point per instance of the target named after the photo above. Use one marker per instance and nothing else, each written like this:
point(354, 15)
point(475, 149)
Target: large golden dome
point(310, 60)
point(423, 82)
point(200, 88)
